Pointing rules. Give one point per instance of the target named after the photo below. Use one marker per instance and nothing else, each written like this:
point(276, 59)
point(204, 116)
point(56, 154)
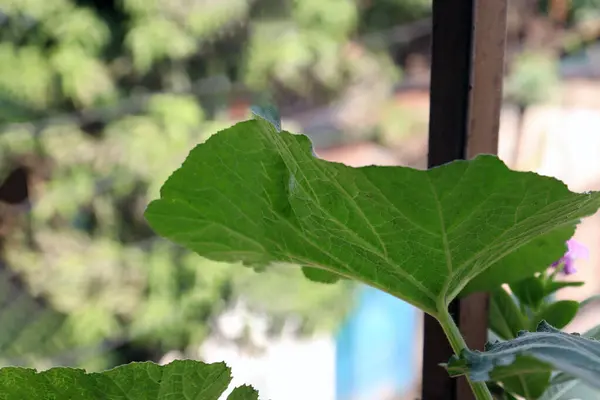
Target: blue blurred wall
point(375, 346)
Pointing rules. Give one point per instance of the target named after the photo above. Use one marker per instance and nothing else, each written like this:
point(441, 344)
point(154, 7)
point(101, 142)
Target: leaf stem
point(480, 389)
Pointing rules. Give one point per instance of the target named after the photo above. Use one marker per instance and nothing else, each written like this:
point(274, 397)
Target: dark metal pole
point(465, 100)
point(448, 111)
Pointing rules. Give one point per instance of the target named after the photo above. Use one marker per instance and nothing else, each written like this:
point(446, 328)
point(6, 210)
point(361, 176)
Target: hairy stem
point(480, 389)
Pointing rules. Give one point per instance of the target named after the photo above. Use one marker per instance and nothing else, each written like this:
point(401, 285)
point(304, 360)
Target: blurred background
point(101, 99)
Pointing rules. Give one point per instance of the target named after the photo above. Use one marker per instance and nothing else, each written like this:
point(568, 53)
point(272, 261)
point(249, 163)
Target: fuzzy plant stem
point(480, 389)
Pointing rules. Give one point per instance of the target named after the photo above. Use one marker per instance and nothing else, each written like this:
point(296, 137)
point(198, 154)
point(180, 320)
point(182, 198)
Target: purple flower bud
point(575, 251)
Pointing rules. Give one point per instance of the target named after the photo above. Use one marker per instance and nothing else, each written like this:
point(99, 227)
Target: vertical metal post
point(465, 101)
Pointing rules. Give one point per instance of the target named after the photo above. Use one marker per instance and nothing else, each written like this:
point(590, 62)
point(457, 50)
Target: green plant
point(135, 381)
point(258, 195)
point(531, 307)
point(426, 237)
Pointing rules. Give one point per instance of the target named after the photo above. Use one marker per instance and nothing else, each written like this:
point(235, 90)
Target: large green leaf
point(527, 377)
point(505, 318)
point(530, 292)
point(256, 195)
point(573, 354)
point(558, 314)
point(136, 381)
point(554, 286)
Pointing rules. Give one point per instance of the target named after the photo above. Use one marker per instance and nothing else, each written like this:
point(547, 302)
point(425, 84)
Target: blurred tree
point(385, 14)
point(104, 98)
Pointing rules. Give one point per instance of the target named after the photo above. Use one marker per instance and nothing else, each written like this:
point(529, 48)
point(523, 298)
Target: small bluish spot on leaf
point(268, 113)
point(318, 275)
point(293, 184)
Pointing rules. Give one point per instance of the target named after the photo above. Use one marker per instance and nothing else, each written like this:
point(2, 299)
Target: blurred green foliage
point(533, 79)
point(102, 96)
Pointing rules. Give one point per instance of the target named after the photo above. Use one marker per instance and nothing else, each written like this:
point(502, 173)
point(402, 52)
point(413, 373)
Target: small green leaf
point(253, 194)
point(557, 314)
point(268, 113)
point(505, 318)
point(526, 377)
point(554, 286)
point(572, 354)
point(498, 392)
point(508, 396)
point(244, 392)
point(135, 381)
point(530, 292)
point(318, 275)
